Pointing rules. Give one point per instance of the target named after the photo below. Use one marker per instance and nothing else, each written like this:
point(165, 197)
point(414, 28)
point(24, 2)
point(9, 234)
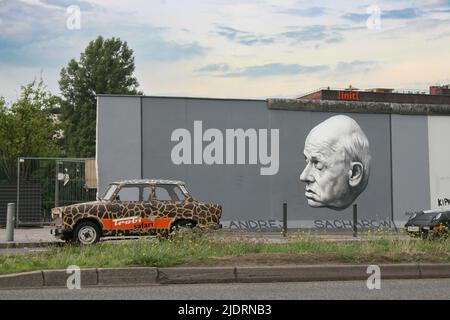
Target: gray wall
point(439, 155)
point(134, 141)
point(410, 165)
point(240, 188)
point(118, 139)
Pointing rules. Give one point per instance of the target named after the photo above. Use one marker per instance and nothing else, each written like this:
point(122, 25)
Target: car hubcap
point(87, 235)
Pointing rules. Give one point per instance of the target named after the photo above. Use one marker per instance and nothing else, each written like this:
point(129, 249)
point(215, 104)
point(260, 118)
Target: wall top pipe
point(358, 107)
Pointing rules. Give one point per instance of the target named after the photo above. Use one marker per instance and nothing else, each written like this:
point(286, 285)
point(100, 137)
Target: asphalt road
point(341, 290)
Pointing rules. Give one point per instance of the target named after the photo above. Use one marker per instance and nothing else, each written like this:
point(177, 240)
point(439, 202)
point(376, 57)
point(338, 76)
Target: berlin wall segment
point(253, 156)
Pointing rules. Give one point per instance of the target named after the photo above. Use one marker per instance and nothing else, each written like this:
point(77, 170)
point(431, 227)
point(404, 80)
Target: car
point(429, 223)
point(134, 208)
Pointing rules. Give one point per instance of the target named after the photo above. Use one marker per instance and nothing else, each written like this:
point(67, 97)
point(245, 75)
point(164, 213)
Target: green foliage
point(28, 128)
point(105, 67)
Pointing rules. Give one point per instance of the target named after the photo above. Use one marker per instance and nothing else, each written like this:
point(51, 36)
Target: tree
point(28, 128)
point(105, 67)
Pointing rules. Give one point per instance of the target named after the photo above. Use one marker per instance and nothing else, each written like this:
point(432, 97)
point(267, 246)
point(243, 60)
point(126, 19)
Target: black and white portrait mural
point(337, 169)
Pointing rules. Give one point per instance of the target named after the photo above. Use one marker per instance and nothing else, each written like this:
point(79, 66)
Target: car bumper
point(60, 233)
point(417, 231)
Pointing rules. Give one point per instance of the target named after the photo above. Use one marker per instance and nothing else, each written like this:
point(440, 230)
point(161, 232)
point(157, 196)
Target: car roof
point(438, 210)
point(148, 181)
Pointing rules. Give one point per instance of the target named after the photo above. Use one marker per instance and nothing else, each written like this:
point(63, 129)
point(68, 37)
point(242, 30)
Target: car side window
point(167, 192)
point(128, 194)
point(180, 195)
point(146, 192)
point(133, 193)
point(162, 194)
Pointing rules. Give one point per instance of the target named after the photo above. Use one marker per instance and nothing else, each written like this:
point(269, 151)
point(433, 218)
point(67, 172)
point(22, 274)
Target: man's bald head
point(339, 150)
point(343, 131)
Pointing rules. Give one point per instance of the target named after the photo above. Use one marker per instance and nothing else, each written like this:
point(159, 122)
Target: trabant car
point(134, 208)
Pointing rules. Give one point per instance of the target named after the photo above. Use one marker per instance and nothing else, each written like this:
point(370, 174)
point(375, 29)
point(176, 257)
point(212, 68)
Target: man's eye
point(318, 165)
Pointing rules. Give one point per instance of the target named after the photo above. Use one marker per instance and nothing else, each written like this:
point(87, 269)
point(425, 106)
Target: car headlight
point(438, 216)
point(413, 216)
point(56, 216)
point(56, 213)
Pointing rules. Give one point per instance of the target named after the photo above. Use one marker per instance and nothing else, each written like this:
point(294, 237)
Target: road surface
point(390, 289)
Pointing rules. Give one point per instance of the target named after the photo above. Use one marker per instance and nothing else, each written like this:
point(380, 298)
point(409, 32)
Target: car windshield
point(109, 192)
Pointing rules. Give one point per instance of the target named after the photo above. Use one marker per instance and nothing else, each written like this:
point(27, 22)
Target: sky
point(234, 49)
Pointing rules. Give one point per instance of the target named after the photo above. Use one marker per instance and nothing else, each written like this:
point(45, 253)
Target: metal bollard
point(10, 220)
point(284, 219)
point(355, 220)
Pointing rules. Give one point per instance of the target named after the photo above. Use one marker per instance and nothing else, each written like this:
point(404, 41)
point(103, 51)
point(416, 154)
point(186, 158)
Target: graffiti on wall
point(443, 202)
point(254, 225)
point(348, 224)
point(337, 163)
point(337, 224)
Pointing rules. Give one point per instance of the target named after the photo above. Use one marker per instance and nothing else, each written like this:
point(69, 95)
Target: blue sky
point(240, 49)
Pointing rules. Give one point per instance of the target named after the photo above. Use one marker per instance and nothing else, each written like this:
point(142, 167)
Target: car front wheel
point(86, 232)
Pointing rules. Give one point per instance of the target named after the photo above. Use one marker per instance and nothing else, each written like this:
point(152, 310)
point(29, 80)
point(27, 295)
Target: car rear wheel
point(182, 225)
point(86, 232)
point(424, 235)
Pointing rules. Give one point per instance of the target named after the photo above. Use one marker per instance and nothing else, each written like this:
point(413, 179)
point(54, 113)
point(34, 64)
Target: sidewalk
point(29, 235)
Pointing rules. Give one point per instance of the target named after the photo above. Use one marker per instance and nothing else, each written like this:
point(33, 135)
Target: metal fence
point(45, 183)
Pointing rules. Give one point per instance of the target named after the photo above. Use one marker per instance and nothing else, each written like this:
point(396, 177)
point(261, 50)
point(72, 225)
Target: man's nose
point(306, 174)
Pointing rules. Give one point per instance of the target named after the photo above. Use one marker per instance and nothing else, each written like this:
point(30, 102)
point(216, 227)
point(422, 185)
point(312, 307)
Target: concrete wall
point(408, 168)
point(118, 139)
point(410, 165)
point(238, 187)
point(439, 158)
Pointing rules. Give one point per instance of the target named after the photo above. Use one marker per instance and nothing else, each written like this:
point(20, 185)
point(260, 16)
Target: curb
point(185, 275)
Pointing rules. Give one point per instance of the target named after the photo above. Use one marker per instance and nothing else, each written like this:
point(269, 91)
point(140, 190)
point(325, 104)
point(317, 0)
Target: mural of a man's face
point(337, 163)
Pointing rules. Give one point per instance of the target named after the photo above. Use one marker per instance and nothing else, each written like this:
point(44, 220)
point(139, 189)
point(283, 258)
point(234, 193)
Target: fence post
point(284, 219)
point(57, 185)
point(10, 222)
point(355, 220)
point(19, 161)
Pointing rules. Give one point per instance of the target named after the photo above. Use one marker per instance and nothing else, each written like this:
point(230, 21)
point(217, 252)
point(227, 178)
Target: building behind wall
point(137, 137)
point(436, 95)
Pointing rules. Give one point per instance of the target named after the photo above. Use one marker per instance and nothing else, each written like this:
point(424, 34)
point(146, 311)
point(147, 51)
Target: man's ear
point(355, 173)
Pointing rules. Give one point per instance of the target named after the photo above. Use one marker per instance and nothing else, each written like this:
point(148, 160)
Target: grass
point(200, 248)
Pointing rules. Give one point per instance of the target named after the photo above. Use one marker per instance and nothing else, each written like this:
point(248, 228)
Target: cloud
point(275, 69)
point(83, 5)
point(243, 37)
point(314, 33)
point(400, 14)
point(356, 66)
point(161, 50)
point(35, 34)
point(211, 68)
point(27, 22)
point(27, 32)
point(281, 69)
point(308, 12)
